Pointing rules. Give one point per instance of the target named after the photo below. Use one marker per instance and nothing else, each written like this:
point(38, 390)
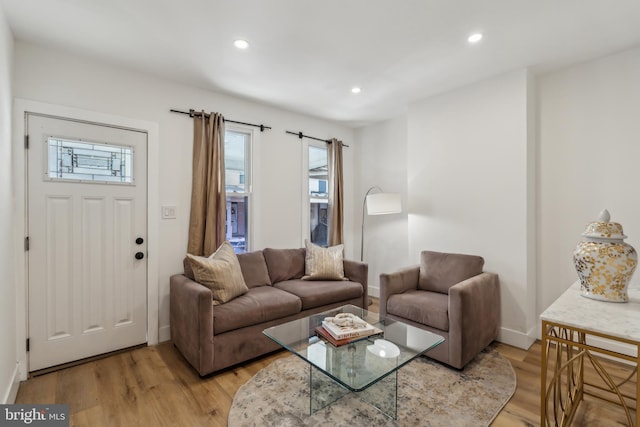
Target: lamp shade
point(383, 203)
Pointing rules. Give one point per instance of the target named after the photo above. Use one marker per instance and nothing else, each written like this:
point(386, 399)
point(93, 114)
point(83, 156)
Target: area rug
point(429, 394)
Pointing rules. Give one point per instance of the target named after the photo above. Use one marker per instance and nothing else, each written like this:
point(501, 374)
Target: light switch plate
point(168, 212)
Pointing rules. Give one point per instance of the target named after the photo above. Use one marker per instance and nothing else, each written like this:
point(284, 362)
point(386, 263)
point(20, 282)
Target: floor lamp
point(378, 204)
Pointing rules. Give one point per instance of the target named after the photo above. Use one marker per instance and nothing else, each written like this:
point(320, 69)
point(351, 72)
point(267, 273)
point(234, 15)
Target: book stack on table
point(341, 335)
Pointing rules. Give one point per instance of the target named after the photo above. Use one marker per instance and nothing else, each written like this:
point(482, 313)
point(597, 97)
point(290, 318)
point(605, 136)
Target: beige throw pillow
point(323, 263)
point(220, 272)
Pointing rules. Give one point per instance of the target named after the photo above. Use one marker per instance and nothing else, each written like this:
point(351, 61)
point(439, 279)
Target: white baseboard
point(374, 291)
point(12, 390)
point(164, 333)
point(517, 338)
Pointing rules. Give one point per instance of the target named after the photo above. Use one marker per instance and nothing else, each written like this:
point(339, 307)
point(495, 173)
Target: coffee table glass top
point(361, 363)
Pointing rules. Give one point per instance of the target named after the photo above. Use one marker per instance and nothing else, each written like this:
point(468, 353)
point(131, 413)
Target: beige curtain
point(208, 197)
point(336, 198)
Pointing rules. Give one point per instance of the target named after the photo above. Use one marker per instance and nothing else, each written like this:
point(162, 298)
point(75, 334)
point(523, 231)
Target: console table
point(573, 331)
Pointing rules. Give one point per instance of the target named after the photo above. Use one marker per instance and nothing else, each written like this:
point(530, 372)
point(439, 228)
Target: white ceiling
point(306, 55)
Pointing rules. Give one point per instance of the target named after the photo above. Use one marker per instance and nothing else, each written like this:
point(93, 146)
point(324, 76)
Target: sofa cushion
point(323, 263)
point(424, 307)
point(220, 272)
point(284, 264)
point(439, 271)
point(318, 293)
point(258, 305)
point(188, 271)
point(254, 269)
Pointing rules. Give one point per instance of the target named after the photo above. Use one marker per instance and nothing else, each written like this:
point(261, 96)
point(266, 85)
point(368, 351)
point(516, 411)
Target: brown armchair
point(449, 295)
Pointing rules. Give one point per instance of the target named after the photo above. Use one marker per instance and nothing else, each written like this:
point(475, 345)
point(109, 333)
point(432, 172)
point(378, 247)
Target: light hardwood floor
point(156, 386)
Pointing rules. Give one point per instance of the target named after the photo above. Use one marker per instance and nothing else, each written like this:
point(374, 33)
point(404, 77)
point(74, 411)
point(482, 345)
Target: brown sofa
point(449, 295)
point(213, 337)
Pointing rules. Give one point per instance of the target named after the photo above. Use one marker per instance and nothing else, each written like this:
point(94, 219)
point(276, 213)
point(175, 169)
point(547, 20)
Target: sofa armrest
point(397, 282)
point(474, 317)
point(357, 271)
point(191, 317)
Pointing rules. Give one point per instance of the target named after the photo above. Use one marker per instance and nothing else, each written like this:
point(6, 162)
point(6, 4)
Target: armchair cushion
point(424, 307)
point(439, 271)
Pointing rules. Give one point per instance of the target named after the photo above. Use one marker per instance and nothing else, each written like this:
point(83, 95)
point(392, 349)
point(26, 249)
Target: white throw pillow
point(220, 272)
point(323, 263)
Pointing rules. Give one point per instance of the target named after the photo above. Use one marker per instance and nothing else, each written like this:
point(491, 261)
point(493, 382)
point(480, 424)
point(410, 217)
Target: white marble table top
point(621, 320)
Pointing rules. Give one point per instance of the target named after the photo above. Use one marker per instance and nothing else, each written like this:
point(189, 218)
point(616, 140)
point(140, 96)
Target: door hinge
point(26, 244)
point(28, 344)
point(26, 142)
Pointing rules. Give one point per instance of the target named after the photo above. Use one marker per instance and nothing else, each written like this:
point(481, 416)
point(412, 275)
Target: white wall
point(381, 154)
point(59, 78)
point(8, 356)
point(511, 168)
point(589, 160)
point(464, 162)
point(469, 187)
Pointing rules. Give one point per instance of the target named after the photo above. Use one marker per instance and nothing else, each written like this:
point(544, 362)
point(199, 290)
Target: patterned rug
point(429, 394)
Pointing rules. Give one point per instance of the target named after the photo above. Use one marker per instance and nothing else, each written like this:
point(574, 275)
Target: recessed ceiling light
point(241, 44)
point(355, 90)
point(475, 38)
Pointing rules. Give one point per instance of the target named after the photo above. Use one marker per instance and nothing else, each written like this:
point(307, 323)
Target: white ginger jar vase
point(604, 262)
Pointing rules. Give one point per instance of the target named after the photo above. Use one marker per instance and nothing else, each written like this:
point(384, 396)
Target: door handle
point(139, 255)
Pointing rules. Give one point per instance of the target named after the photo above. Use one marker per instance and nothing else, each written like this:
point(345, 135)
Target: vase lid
point(603, 229)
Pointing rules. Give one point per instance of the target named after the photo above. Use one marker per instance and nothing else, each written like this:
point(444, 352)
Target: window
point(318, 195)
point(237, 160)
point(89, 161)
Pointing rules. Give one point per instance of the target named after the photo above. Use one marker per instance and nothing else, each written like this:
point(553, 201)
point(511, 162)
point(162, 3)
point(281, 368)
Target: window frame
point(248, 184)
point(307, 197)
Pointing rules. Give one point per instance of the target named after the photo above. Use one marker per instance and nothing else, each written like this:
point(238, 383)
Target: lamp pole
point(364, 207)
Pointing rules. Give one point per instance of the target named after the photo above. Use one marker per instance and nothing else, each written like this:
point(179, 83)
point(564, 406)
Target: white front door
point(87, 283)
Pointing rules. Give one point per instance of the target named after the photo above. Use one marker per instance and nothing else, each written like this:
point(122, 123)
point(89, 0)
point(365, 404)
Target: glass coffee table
point(367, 367)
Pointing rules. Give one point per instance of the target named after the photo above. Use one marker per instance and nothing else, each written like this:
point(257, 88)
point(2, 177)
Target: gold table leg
point(566, 349)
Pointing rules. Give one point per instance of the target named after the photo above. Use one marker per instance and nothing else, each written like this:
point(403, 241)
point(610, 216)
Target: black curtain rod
point(193, 112)
point(301, 135)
